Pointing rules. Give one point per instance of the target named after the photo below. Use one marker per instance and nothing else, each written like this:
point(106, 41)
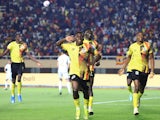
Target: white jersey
point(63, 63)
point(8, 71)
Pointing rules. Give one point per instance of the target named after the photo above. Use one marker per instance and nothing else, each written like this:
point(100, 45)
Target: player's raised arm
point(66, 39)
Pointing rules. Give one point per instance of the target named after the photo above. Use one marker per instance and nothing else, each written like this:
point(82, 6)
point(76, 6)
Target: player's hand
point(39, 64)
point(121, 71)
point(151, 75)
point(70, 38)
point(97, 63)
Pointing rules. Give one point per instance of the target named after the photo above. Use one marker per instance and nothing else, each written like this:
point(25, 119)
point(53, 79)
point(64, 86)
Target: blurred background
point(114, 22)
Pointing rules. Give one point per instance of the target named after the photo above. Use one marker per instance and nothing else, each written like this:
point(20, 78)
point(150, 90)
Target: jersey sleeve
point(129, 52)
point(9, 46)
point(65, 46)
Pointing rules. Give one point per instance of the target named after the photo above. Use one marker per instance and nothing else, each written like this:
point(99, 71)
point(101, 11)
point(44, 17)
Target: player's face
point(88, 34)
point(18, 38)
point(79, 38)
point(139, 37)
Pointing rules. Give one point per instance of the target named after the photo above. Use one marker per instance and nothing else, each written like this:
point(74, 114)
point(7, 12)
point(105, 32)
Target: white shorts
point(62, 75)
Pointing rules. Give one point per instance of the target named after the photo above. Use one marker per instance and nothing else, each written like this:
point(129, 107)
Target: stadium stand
point(114, 22)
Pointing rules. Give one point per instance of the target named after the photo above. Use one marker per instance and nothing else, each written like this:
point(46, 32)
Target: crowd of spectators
point(114, 22)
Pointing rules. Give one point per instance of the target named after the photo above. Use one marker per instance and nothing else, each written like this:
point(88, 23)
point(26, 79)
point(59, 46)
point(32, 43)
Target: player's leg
point(6, 84)
point(19, 88)
point(90, 104)
point(10, 82)
point(60, 75)
point(85, 87)
point(14, 74)
point(68, 86)
point(143, 82)
point(75, 87)
point(135, 97)
point(66, 76)
point(13, 90)
point(60, 86)
point(20, 69)
point(129, 87)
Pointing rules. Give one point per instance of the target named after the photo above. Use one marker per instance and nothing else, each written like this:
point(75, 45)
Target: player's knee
point(13, 80)
point(75, 94)
point(86, 94)
point(136, 89)
point(141, 91)
point(19, 80)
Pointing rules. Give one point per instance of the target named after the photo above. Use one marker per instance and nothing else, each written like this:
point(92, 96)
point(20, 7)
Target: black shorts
point(134, 75)
point(83, 84)
point(17, 69)
point(143, 78)
point(137, 75)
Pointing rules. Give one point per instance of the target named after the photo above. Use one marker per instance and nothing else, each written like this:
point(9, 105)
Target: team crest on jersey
point(73, 49)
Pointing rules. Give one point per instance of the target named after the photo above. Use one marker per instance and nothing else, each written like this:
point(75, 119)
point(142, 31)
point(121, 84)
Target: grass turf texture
point(47, 104)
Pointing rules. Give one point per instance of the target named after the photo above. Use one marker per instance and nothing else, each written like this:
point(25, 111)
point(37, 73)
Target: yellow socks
point(135, 100)
point(129, 89)
point(13, 89)
point(86, 102)
point(90, 104)
point(86, 109)
point(139, 95)
point(19, 86)
point(90, 101)
point(77, 105)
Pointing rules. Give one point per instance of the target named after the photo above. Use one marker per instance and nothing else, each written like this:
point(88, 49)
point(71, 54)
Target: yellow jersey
point(139, 56)
point(15, 52)
point(78, 56)
point(93, 46)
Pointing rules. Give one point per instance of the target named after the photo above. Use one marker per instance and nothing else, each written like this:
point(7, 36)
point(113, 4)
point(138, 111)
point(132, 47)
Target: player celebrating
point(79, 72)
point(63, 62)
point(7, 70)
point(138, 57)
point(88, 39)
point(17, 48)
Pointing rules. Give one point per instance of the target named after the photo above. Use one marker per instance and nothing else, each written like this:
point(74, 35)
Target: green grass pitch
point(47, 104)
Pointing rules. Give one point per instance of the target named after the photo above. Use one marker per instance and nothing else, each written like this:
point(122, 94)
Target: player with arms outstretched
point(17, 48)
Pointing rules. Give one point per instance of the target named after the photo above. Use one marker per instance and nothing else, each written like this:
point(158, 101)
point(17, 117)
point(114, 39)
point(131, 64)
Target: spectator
point(113, 21)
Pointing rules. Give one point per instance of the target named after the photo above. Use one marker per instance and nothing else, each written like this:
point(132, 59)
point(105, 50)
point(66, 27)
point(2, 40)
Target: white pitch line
point(131, 103)
point(115, 101)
